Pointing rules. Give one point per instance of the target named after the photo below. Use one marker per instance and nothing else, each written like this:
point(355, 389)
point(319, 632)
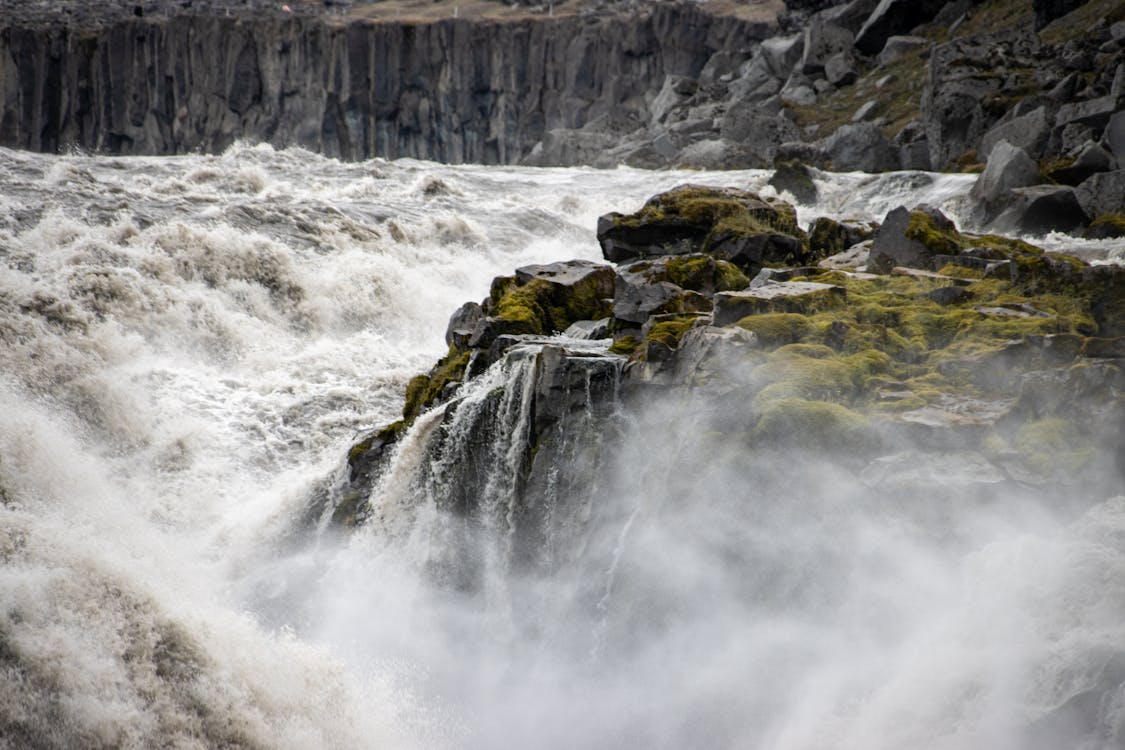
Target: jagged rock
point(797, 90)
point(860, 147)
point(897, 47)
point(869, 110)
point(1094, 113)
point(805, 153)
point(776, 297)
point(1008, 167)
point(462, 324)
point(781, 54)
point(1041, 209)
point(1091, 160)
point(840, 70)
point(796, 179)
point(852, 259)
point(961, 85)
point(828, 237)
point(572, 277)
point(589, 329)
point(898, 244)
point(675, 91)
point(1115, 136)
point(823, 40)
point(758, 133)
point(1029, 131)
point(1102, 193)
point(892, 17)
point(729, 224)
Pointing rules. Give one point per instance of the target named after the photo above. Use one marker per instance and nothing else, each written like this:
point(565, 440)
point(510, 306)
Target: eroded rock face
point(452, 90)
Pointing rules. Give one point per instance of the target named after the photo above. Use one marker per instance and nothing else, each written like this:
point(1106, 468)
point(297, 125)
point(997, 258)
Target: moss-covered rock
point(726, 223)
point(815, 425)
point(1105, 227)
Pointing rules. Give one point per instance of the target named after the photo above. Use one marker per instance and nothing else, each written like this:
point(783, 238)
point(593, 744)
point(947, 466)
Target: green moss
point(813, 424)
point(423, 390)
point(1106, 226)
point(774, 329)
point(939, 240)
point(703, 273)
point(625, 345)
point(1053, 446)
point(669, 332)
point(525, 305)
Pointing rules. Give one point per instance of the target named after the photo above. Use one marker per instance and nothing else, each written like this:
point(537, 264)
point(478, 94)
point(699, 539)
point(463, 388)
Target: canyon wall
point(452, 90)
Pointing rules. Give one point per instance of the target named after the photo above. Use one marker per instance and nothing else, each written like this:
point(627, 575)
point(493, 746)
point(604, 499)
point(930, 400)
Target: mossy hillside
point(811, 424)
point(893, 337)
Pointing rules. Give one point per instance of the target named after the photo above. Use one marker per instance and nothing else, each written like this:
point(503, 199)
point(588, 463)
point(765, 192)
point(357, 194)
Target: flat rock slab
point(787, 296)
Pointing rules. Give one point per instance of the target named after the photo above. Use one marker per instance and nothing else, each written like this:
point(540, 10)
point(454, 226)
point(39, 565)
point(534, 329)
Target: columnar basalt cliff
point(454, 89)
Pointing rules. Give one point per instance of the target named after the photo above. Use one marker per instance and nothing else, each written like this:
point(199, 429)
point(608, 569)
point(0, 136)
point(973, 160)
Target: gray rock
point(565, 147)
point(860, 147)
point(1028, 131)
point(668, 98)
point(915, 156)
point(892, 248)
point(823, 40)
point(781, 54)
point(787, 296)
point(758, 132)
point(1041, 209)
point(1102, 193)
point(897, 47)
point(794, 178)
point(1115, 136)
point(1094, 113)
point(1008, 167)
point(664, 146)
point(1090, 160)
point(867, 111)
point(462, 324)
point(806, 153)
point(797, 90)
point(589, 329)
point(893, 17)
point(840, 70)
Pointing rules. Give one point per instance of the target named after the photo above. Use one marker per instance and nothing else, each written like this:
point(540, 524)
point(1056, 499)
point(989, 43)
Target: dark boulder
point(800, 297)
point(726, 223)
point(860, 147)
point(1041, 209)
point(911, 239)
point(1048, 10)
point(1008, 167)
point(1028, 131)
point(1102, 193)
point(794, 178)
point(462, 323)
point(893, 17)
point(1091, 160)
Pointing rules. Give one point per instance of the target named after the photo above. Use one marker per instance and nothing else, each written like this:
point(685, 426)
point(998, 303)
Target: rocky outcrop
point(988, 354)
point(453, 89)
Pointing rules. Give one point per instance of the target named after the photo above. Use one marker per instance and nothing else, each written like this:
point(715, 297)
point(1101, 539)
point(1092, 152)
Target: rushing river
point(189, 345)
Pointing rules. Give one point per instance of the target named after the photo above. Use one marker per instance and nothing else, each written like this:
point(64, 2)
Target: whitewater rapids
point(189, 345)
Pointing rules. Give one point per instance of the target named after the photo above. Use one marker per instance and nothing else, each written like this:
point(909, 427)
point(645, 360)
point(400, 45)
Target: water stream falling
point(188, 347)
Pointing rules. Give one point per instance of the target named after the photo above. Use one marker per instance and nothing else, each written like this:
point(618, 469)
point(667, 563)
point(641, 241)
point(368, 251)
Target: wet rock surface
point(1001, 362)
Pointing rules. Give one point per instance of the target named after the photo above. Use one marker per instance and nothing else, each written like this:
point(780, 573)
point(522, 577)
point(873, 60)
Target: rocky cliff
point(469, 89)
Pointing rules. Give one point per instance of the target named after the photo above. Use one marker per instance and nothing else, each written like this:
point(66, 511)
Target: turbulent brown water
point(189, 345)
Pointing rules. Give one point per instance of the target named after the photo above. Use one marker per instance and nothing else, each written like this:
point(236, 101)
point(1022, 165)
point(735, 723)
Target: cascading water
point(190, 345)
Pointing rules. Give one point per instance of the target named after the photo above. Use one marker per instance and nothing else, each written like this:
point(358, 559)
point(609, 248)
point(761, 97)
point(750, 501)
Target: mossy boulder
point(545, 299)
point(1105, 227)
point(911, 239)
point(725, 223)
